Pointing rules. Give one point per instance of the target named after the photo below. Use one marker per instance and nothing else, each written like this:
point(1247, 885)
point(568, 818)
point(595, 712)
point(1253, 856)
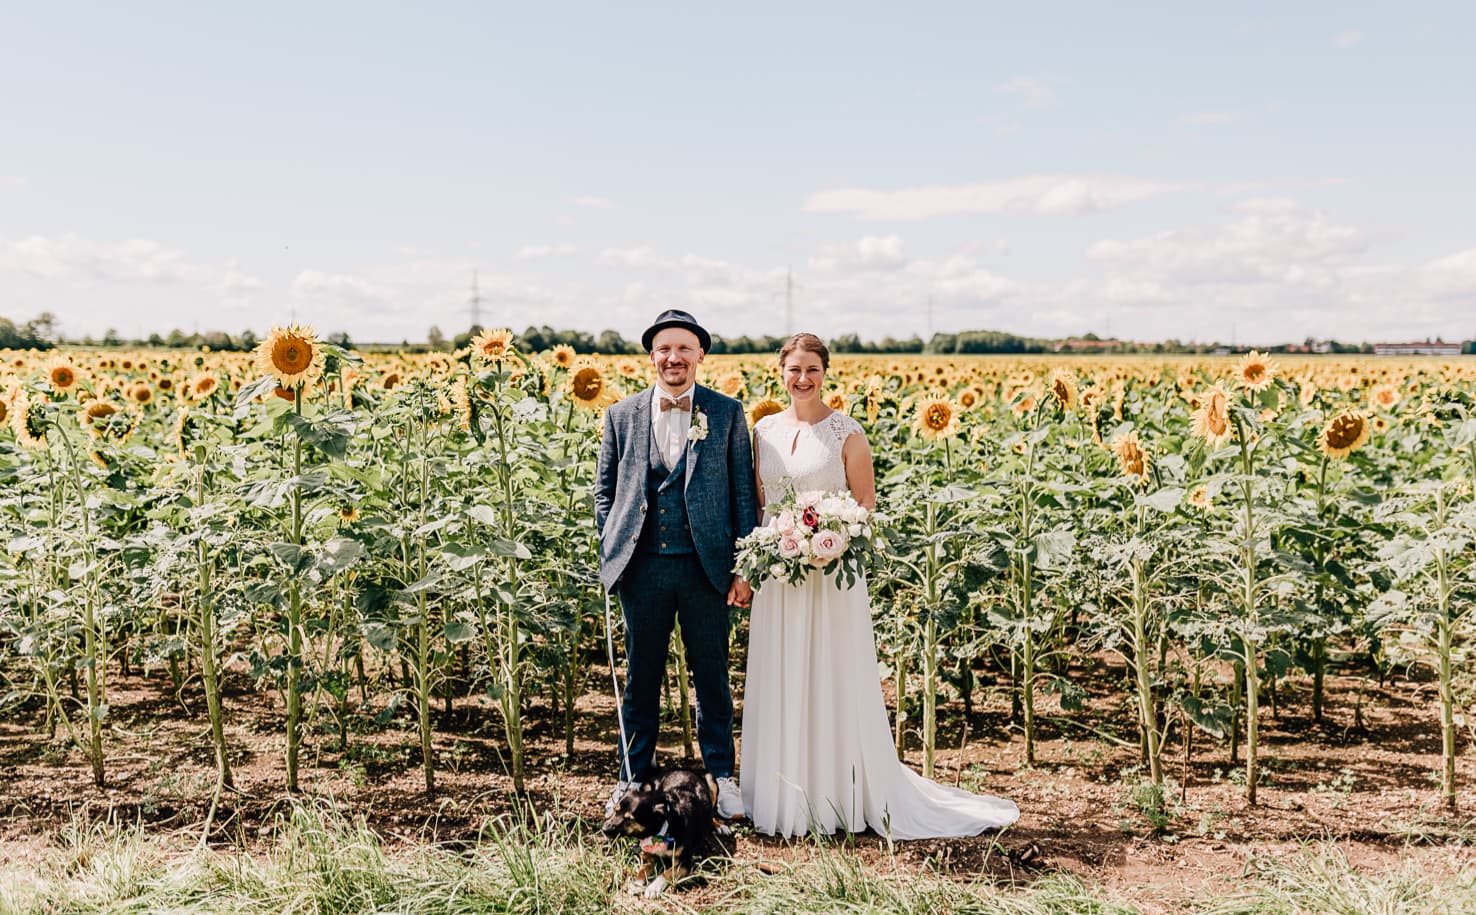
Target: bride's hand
point(740, 593)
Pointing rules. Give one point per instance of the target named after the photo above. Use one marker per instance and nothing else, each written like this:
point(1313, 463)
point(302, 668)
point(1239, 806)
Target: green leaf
point(1165, 500)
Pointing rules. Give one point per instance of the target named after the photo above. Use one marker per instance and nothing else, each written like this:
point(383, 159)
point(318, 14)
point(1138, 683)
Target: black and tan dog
point(674, 816)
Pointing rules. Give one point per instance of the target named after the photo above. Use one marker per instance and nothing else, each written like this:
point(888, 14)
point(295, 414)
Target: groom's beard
point(676, 378)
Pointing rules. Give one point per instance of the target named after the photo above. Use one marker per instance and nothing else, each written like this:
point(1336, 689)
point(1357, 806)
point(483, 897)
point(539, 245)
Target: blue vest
point(666, 529)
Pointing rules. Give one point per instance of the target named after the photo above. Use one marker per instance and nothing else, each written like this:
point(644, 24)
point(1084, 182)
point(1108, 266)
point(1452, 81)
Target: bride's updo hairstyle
point(805, 343)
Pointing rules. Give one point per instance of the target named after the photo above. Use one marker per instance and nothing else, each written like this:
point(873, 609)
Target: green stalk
point(94, 638)
point(294, 613)
point(1249, 648)
point(209, 674)
point(930, 645)
point(512, 696)
point(1444, 627)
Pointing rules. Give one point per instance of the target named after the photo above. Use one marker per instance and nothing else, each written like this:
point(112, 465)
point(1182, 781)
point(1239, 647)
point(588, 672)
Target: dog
point(675, 816)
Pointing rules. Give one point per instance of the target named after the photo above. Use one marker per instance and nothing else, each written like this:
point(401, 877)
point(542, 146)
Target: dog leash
point(615, 680)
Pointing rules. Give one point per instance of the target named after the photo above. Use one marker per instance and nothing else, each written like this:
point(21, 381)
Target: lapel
point(699, 402)
point(642, 439)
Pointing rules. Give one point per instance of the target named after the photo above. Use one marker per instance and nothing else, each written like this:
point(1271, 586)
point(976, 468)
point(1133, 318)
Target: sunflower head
point(1063, 390)
point(1199, 498)
point(766, 407)
point(62, 375)
point(492, 345)
point(1343, 434)
point(1256, 371)
point(1212, 418)
point(562, 355)
point(1131, 458)
point(589, 388)
point(836, 401)
point(202, 386)
point(141, 394)
point(937, 418)
point(1384, 396)
point(27, 420)
point(290, 354)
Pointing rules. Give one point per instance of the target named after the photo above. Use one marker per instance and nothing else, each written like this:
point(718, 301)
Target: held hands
point(740, 593)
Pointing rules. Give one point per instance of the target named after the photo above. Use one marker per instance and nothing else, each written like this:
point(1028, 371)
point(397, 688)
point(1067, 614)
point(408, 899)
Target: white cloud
point(319, 288)
point(1275, 240)
point(1046, 195)
point(642, 257)
point(1347, 38)
point(1031, 92)
point(539, 252)
point(871, 253)
point(594, 203)
point(12, 181)
point(1205, 118)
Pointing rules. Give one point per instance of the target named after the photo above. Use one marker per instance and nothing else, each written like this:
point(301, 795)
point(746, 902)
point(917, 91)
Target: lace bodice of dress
point(805, 456)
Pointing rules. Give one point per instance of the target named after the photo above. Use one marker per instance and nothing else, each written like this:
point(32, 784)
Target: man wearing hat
point(675, 490)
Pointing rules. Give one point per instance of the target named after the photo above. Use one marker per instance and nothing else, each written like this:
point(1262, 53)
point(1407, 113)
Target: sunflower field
point(367, 538)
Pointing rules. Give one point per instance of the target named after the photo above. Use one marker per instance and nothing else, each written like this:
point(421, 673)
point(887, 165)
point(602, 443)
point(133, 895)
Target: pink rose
point(784, 524)
point(789, 547)
point(828, 545)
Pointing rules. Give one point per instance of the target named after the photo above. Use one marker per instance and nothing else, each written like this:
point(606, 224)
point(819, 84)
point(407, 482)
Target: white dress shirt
point(669, 427)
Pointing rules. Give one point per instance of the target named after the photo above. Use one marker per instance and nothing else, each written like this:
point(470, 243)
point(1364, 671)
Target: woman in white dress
point(817, 752)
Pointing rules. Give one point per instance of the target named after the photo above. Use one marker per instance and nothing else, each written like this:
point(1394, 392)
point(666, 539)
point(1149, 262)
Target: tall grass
point(321, 862)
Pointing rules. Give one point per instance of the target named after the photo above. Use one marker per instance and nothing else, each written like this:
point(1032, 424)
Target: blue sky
point(1267, 171)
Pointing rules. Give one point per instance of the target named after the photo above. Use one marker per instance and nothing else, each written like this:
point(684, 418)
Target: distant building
point(1417, 349)
point(1087, 346)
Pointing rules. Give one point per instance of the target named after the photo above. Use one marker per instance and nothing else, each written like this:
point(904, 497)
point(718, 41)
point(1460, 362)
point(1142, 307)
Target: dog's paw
point(657, 887)
point(635, 887)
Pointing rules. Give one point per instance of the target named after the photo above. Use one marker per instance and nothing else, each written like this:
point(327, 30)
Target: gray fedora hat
point(674, 318)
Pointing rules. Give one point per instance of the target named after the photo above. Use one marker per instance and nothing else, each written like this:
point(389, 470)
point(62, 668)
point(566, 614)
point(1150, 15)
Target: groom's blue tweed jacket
point(721, 502)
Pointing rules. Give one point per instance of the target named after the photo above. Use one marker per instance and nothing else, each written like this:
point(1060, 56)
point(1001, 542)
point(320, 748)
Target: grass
point(321, 862)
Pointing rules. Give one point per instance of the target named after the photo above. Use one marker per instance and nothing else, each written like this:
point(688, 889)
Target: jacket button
point(663, 546)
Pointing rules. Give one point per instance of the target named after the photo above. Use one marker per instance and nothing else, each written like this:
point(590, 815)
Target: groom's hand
point(740, 593)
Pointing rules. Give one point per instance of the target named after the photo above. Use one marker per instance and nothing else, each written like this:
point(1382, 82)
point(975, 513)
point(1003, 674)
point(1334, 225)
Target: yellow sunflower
point(1384, 396)
point(290, 354)
point(589, 388)
point(937, 418)
point(1256, 371)
point(562, 355)
point(766, 407)
point(62, 375)
point(492, 345)
point(141, 394)
point(27, 420)
point(1063, 390)
point(1131, 457)
point(390, 381)
point(461, 404)
point(1199, 498)
point(1343, 434)
point(202, 386)
point(837, 401)
point(1212, 418)
point(348, 514)
point(731, 384)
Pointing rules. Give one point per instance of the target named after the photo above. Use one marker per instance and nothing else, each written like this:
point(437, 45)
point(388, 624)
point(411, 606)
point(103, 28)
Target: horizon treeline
point(41, 333)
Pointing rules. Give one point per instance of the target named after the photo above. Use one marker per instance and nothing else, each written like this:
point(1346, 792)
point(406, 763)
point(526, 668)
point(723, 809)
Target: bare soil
point(1367, 781)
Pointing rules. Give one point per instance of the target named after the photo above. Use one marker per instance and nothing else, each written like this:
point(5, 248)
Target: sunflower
point(562, 355)
point(766, 407)
point(185, 431)
point(390, 381)
point(1256, 371)
point(96, 414)
point(731, 384)
point(837, 401)
point(348, 514)
point(492, 345)
point(1343, 434)
point(1130, 455)
point(969, 398)
point(1384, 396)
point(937, 417)
point(291, 354)
point(1063, 390)
point(27, 420)
point(1199, 498)
point(202, 386)
point(589, 388)
point(287, 394)
point(1212, 419)
point(461, 404)
point(62, 375)
point(141, 394)
point(1308, 393)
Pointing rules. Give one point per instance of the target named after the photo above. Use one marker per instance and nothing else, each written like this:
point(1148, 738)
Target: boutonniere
point(698, 430)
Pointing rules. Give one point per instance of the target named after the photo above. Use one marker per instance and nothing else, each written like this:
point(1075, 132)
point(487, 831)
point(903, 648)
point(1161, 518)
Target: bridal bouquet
point(829, 531)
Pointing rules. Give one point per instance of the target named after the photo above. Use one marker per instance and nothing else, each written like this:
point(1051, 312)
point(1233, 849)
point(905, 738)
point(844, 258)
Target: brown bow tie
point(677, 403)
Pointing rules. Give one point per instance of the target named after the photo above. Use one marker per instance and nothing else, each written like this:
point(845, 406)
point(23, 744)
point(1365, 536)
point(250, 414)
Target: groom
point(675, 490)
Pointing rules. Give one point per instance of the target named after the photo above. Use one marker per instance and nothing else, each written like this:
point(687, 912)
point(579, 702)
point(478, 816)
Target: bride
point(817, 752)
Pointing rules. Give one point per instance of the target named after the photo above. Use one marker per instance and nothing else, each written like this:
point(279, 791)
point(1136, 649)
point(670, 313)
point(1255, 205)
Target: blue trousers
point(655, 592)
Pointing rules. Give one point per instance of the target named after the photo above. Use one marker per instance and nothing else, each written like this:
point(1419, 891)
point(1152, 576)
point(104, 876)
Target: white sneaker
point(729, 799)
point(615, 796)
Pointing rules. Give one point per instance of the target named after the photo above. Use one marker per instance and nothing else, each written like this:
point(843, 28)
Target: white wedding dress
point(817, 751)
